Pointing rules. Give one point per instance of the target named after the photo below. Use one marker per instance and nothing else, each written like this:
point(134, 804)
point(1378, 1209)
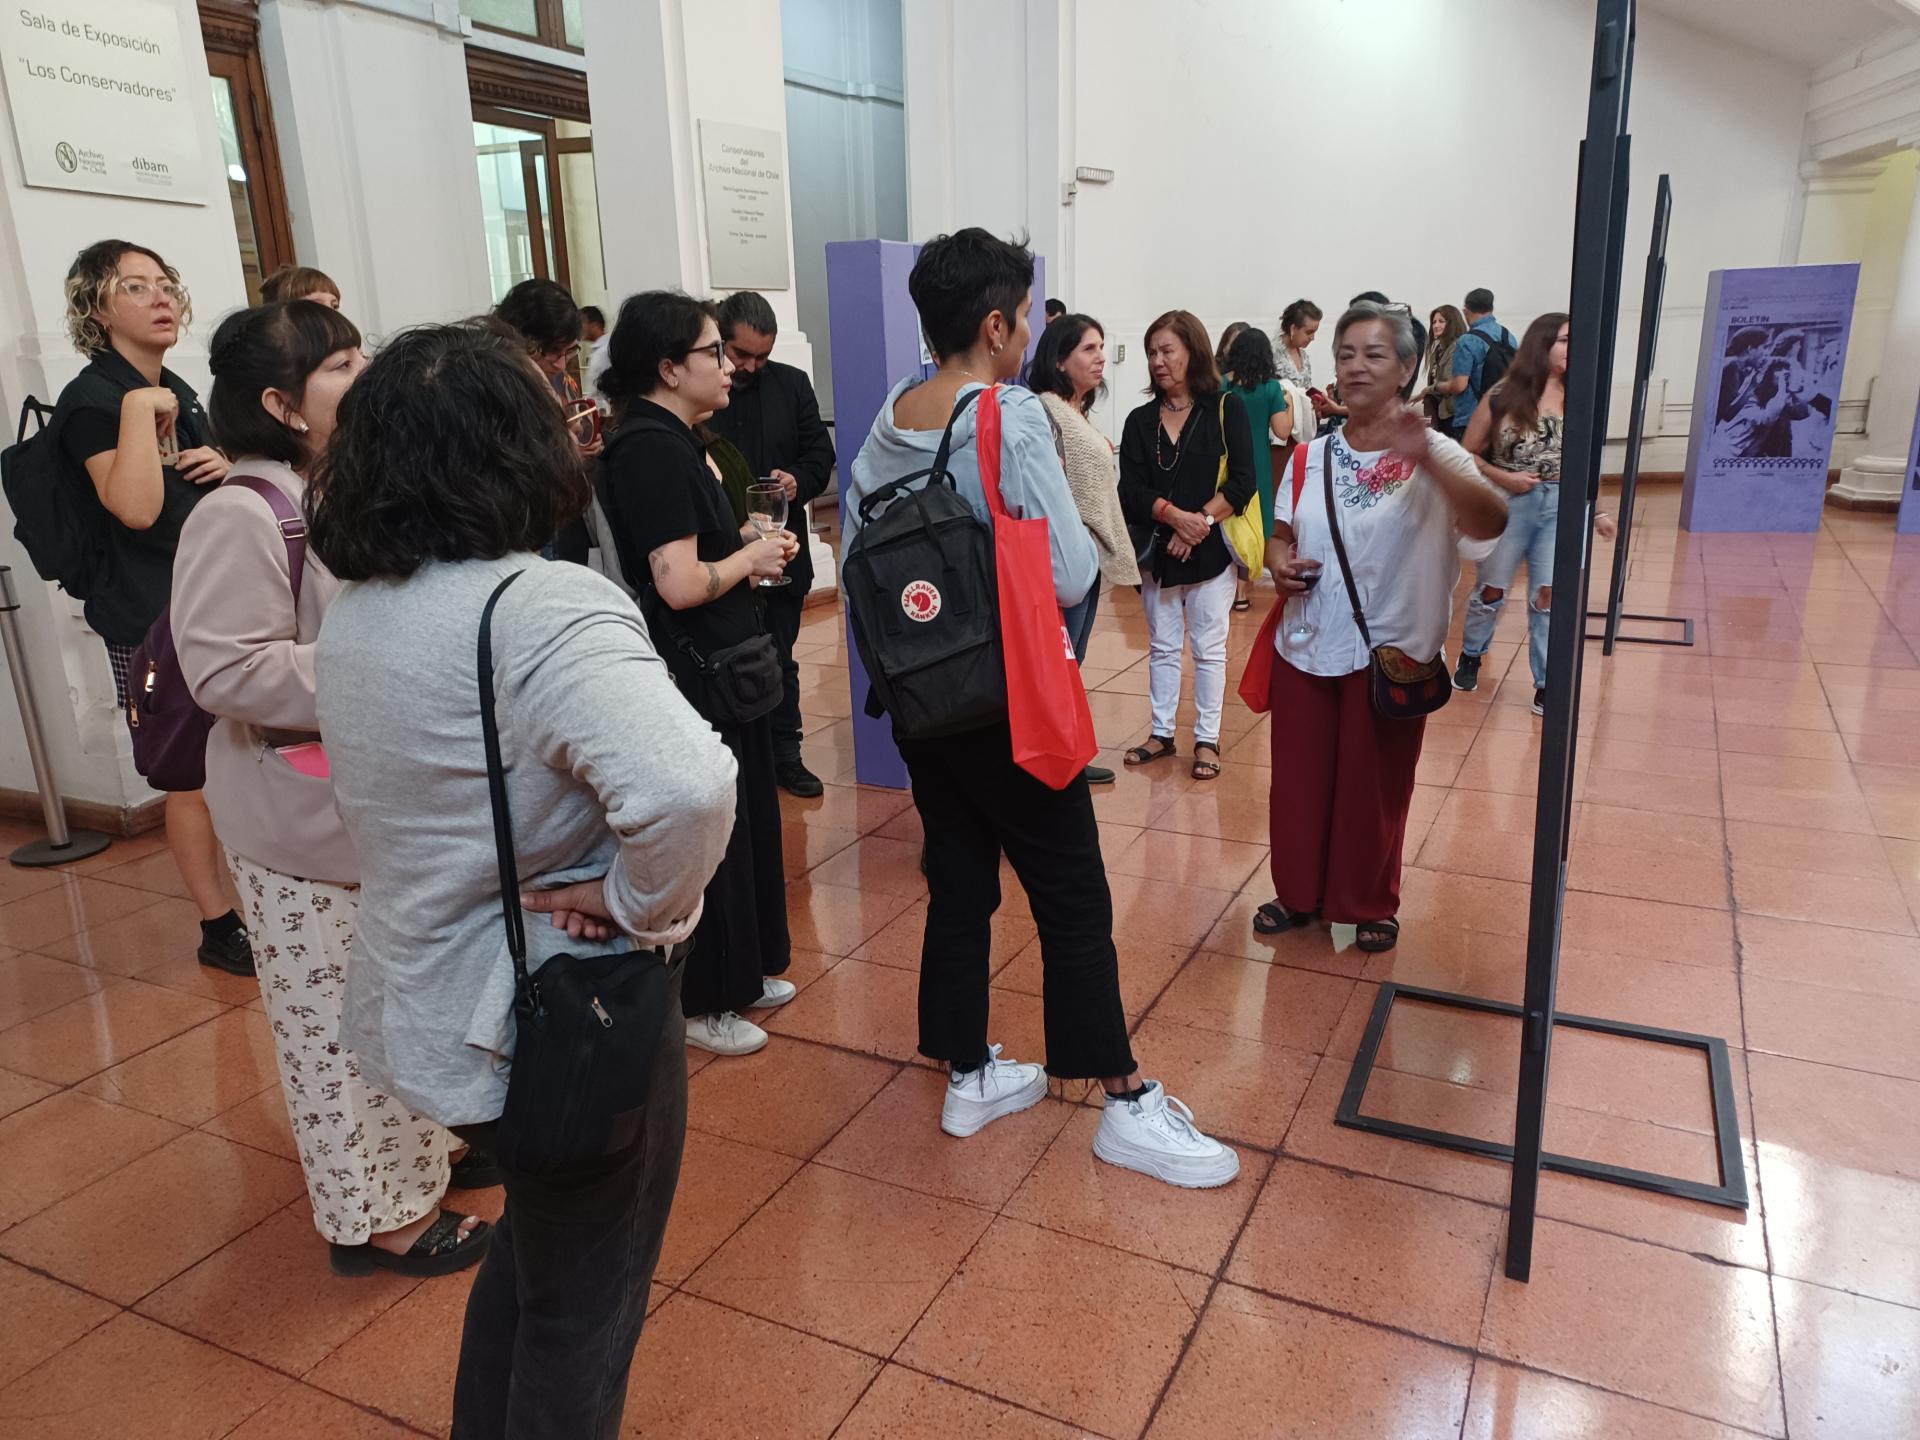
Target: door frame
point(230, 31)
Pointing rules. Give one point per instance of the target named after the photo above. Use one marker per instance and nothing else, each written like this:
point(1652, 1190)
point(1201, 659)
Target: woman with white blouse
point(1403, 497)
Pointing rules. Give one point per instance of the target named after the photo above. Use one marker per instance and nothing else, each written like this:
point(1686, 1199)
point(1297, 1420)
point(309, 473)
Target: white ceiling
point(1806, 32)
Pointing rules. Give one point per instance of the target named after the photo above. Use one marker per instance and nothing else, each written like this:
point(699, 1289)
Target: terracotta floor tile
point(876, 867)
point(403, 1364)
point(303, 1413)
point(1269, 1003)
point(1810, 1022)
point(859, 808)
point(1261, 1367)
point(998, 1323)
point(1370, 1249)
point(843, 1257)
point(31, 985)
point(1842, 1227)
point(1473, 851)
point(898, 942)
point(779, 1382)
point(1508, 1403)
point(1676, 934)
point(259, 1121)
point(1145, 969)
point(1303, 949)
point(133, 1377)
point(1239, 1090)
point(1073, 1192)
point(76, 903)
point(722, 1183)
point(905, 1405)
point(804, 846)
point(1841, 1117)
point(65, 1143)
point(99, 1030)
point(196, 1075)
point(1679, 877)
point(835, 920)
point(1204, 859)
point(1411, 1100)
point(1646, 1322)
point(1165, 913)
point(1862, 904)
point(179, 969)
point(44, 1317)
point(898, 1139)
point(1793, 847)
point(1483, 810)
point(1771, 805)
point(856, 1006)
point(1827, 955)
point(293, 1323)
point(1851, 1366)
point(790, 1097)
point(165, 1211)
point(1741, 739)
point(155, 871)
point(1225, 812)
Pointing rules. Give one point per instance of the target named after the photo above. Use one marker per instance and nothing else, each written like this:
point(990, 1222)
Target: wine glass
point(767, 513)
point(1298, 632)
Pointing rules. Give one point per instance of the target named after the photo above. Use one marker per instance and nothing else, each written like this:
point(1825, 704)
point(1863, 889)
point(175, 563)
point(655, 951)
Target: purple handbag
point(169, 730)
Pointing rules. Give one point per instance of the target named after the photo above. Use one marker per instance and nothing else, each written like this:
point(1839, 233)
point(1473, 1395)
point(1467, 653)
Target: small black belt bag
point(586, 1027)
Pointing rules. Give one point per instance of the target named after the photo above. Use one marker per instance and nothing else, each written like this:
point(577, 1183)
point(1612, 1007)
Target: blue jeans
point(1532, 520)
point(1079, 622)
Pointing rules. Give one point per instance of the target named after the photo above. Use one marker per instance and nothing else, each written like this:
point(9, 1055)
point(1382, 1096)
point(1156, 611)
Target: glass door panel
point(514, 203)
point(239, 187)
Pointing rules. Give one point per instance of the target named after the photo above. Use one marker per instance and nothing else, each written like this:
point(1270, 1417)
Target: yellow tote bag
point(1246, 532)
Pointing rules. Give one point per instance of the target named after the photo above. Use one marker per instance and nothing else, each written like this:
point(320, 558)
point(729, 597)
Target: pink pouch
point(309, 759)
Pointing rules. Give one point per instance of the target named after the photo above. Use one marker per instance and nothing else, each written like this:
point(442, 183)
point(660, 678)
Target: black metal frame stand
point(1656, 287)
point(1598, 251)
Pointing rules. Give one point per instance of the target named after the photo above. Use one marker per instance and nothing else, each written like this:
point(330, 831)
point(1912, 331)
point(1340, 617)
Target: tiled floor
point(1746, 861)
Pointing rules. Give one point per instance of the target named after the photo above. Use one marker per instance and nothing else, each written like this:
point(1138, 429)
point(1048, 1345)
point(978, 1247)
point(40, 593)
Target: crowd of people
point(430, 716)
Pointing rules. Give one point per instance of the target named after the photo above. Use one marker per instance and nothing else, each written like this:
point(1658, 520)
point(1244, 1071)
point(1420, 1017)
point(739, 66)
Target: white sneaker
point(1156, 1136)
point(999, 1087)
point(774, 991)
point(725, 1034)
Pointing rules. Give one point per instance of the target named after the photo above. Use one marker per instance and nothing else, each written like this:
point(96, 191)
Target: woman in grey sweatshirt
point(450, 466)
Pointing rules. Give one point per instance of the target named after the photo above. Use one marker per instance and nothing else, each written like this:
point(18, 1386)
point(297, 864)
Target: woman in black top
point(693, 565)
point(1175, 494)
point(137, 431)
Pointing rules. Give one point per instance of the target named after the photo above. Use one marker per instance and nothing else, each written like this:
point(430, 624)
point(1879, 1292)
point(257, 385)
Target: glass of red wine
point(1298, 631)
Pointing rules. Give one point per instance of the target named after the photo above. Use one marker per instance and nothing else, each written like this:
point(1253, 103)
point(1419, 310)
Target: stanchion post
point(61, 844)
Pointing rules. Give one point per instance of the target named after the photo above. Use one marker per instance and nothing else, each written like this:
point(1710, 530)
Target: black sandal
point(1206, 769)
point(1385, 933)
point(1157, 747)
point(474, 1170)
point(440, 1250)
point(1245, 602)
point(1273, 918)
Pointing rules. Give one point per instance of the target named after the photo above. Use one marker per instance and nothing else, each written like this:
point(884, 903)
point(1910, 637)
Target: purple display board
point(1909, 522)
point(1765, 397)
point(876, 343)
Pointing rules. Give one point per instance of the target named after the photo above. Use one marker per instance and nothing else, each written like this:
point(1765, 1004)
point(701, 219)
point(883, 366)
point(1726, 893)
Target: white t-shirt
point(1401, 542)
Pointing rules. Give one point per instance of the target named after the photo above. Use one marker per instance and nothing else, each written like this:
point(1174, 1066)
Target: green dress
point(1263, 402)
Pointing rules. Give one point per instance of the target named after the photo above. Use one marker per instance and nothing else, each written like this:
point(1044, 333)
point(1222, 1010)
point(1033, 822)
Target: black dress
point(656, 488)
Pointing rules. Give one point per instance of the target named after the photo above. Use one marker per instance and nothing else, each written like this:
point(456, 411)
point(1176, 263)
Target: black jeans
point(782, 617)
point(556, 1309)
point(974, 803)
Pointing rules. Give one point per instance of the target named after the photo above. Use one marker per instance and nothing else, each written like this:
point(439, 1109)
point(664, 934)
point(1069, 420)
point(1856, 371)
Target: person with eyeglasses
point(138, 432)
point(694, 566)
point(544, 315)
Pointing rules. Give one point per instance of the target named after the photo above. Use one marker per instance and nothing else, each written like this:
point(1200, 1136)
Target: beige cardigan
point(1094, 477)
point(248, 658)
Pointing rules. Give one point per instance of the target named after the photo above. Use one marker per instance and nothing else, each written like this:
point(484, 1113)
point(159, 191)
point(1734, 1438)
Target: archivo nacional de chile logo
point(64, 157)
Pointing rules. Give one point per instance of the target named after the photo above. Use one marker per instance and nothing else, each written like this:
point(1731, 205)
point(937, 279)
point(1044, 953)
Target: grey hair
point(1398, 320)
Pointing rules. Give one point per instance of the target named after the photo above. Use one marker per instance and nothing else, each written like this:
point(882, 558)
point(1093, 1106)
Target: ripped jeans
point(1532, 520)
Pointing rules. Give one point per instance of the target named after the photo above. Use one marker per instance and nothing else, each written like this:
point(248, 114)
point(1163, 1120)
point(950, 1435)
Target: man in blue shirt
point(1470, 356)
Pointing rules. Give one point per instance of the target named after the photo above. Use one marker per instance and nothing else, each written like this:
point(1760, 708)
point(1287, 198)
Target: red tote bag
point(1256, 681)
point(1046, 703)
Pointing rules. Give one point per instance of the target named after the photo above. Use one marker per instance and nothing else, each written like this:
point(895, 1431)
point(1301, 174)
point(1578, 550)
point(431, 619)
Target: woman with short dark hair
point(450, 465)
point(693, 565)
point(1176, 492)
point(1402, 498)
point(1251, 373)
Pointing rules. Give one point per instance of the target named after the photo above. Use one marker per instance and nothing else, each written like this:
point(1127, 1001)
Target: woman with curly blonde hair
point(137, 431)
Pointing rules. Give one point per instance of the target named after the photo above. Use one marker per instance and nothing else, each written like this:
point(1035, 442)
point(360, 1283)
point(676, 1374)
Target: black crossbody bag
point(586, 1027)
point(1401, 687)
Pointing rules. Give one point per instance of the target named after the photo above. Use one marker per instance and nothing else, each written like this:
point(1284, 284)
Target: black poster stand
point(1598, 251)
point(1636, 433)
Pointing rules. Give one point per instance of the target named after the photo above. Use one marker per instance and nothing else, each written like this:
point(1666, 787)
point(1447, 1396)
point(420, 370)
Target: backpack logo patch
point(920, 600)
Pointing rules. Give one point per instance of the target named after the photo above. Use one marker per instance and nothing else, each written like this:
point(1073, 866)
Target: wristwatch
point(1211, 522)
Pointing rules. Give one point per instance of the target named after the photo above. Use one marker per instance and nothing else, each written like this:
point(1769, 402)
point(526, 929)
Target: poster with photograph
point(1765, 397)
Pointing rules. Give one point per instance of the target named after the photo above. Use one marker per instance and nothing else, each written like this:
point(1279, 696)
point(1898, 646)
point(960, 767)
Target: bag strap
point(986, 449)
point(1340, 548)
point(293, 525)
point(1220, 479)
point(946, 437)
point(31, 408)
point(1300, 475)
point(497, 790)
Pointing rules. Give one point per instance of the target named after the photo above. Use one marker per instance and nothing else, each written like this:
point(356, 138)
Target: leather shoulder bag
point(586, 1027)
point(1401, 687)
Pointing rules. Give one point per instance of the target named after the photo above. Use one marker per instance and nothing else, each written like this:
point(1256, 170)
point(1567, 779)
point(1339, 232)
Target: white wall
point(40, 232)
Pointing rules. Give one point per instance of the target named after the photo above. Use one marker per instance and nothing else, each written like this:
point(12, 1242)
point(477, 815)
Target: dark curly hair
point(543, 312)
point(450, 446)
point(1250, 359)
point(1047, 374)
point(270, 347)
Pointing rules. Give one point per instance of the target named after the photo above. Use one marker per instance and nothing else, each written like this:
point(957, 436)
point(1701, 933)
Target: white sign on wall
point(744, 178)
point(100, 97)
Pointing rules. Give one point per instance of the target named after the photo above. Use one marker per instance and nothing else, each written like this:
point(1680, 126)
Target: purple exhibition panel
point(876, 343)
point(1909, 522)
point(1765, 397)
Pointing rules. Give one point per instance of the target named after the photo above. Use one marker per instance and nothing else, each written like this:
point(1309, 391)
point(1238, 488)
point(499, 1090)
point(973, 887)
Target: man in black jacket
point(775, 422)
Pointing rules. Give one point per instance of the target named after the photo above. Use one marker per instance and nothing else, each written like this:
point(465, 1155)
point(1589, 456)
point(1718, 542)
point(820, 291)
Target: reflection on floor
point(1746, 862)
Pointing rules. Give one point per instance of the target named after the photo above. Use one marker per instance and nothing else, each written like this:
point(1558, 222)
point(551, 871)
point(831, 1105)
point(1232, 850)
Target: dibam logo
point(920, 600)
point(64, 157)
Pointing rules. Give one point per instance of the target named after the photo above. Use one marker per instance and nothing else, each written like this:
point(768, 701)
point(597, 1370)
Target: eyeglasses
point(146, 292)
point(717, 350)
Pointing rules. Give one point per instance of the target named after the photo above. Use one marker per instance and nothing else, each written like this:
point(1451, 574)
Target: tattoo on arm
point(713, 579)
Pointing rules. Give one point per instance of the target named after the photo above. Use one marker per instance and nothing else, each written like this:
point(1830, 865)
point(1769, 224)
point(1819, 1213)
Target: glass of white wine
point(767, 513)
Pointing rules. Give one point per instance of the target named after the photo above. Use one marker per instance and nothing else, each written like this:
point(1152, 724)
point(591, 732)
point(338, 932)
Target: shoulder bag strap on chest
point(1340, 547)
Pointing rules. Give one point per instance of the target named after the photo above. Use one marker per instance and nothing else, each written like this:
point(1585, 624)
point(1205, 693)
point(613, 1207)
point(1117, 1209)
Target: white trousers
point(371, 1164)
point(1196, 615)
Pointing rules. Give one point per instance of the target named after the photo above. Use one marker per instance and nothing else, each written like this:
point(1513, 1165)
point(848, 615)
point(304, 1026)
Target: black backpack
point(923, 597)
point(58, 517)
point(1493, 369)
